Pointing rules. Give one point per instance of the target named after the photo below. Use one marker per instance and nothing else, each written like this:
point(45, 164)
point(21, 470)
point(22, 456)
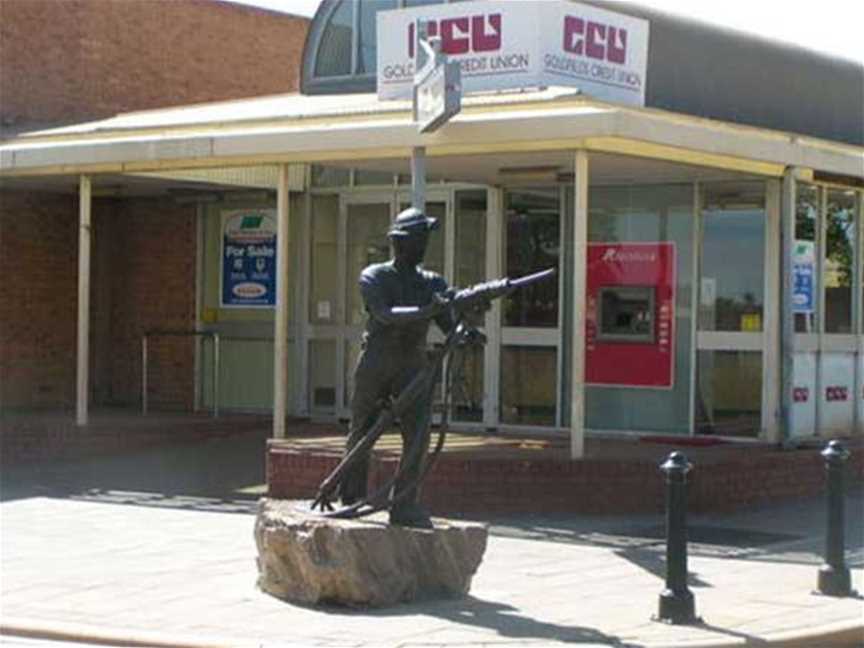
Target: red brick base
point(472, 485)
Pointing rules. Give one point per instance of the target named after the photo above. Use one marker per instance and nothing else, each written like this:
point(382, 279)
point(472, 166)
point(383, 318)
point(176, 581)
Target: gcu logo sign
point(595, 40)
point(836, 393)
point(481, 33)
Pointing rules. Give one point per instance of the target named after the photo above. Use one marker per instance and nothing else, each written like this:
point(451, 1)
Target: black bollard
point(676, 601)
point(834, 578)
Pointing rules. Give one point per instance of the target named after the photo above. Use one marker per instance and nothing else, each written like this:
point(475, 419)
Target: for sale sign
point(249, 258)
point(518, 44)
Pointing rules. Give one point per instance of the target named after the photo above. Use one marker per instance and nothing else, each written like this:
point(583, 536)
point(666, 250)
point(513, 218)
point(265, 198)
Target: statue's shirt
point(383, 286)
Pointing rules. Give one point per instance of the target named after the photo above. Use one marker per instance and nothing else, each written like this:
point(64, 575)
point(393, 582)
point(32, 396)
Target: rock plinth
point(309, 559)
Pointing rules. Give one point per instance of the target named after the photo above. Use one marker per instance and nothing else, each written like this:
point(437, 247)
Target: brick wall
point(152, 286)
point(84, 59)
point(485, 485)
point(76, 60)
point(143, 277)
point(38, 299)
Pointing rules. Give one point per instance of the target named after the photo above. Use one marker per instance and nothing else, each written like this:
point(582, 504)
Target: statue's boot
point(410, 515)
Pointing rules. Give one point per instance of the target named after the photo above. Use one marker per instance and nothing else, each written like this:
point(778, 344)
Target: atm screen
point(626, 314)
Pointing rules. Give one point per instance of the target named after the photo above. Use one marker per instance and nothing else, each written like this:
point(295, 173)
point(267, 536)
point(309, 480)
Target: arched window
point(340, 53)
point(334, 50)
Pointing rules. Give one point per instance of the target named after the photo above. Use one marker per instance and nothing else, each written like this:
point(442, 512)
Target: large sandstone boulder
point(308, 559)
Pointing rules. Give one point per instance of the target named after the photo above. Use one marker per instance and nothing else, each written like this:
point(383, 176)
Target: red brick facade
point(38, 299)
point(472, 485)
point(143, 272)
point(76, 60)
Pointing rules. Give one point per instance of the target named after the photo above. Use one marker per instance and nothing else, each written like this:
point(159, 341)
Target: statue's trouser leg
point(370, 386)
point(414, 426)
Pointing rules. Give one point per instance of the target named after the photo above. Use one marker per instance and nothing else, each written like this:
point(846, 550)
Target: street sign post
point(437, 97)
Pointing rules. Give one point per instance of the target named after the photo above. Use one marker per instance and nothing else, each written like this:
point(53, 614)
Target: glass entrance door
point(366, 221)
point(731, 310)
point(347, 233)
point(530, 317)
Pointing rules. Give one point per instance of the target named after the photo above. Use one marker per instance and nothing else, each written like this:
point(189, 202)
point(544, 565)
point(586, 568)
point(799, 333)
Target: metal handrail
point(178, 333)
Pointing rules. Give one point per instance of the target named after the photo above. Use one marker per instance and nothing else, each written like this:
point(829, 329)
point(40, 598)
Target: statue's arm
point(381, 309)
point(446, 318)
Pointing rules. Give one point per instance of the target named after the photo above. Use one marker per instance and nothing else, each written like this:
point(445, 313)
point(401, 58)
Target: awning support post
point(280, 330)
point(787, 315)
point(579, 273)
point(82, 378)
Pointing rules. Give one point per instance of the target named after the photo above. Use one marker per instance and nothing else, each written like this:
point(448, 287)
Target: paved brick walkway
point(90, 554)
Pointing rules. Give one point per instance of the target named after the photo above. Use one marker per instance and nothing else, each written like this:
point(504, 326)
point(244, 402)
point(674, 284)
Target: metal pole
point(834, 577)
point(787, 316)
point(418, 178)
point(676, 601)
point(280, 330)
point(82, 381)
point(216, 373)
point(144, 374)
point(418, 153)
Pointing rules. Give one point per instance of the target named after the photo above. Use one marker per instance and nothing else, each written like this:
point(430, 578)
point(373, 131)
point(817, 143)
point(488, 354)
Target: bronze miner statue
point(395, 377)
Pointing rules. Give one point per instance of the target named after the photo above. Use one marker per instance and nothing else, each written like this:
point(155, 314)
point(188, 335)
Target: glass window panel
point(804, 259)
point(644, 214)
point(367, 244)
point(322, 374)
point(470, 257)
point(729, 393)
point(733, 227)
point(434, 259)
point(364, 177)
point(533, 244)
point(470, 237)
point(334, 52)
point(324, 291)
point(352, 354)
point(366, 56)
point(839, 260)
point(324, 176)
point(529, 378)
point(467, 375)
point(470, 254)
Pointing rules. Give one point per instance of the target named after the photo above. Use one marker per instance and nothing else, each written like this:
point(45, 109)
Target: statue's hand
point(475, 337)
point(440, 302)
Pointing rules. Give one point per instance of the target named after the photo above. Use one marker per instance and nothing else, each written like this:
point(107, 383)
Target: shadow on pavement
point(180, 475)
point(790, 531)
point(503, 620)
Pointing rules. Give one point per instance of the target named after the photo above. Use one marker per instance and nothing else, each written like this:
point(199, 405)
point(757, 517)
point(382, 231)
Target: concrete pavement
point(102, 552)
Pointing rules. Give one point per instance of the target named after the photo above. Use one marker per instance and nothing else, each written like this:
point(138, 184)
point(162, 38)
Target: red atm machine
point(630, 315)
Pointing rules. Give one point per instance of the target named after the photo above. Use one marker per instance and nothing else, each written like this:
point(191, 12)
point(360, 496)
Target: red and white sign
point(630, 315)
point(502, 44)
point(836, 407)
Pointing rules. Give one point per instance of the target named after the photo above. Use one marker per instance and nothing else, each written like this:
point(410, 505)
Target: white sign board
point(501, 44)
point(438, 97)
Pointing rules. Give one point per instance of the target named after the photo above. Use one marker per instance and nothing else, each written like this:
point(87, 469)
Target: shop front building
point(704, 219)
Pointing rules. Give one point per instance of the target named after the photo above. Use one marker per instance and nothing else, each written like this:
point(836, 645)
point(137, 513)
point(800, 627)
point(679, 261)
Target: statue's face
point(411, 249)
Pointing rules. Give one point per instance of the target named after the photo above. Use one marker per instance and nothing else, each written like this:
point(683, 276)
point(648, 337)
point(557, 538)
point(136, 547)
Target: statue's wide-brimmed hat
point(412, 221)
